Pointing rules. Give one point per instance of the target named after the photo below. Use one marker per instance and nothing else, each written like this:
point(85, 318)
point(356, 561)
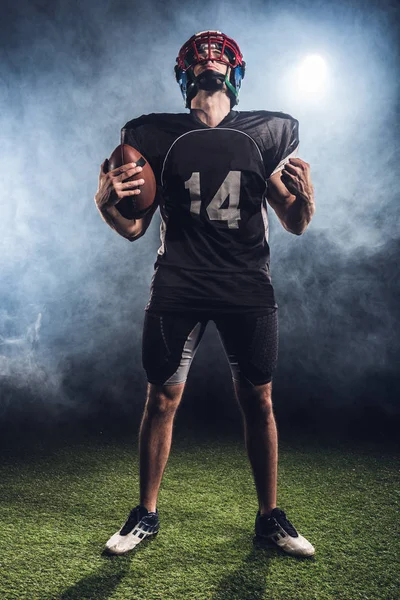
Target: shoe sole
point(114, 551)
point(271, 544)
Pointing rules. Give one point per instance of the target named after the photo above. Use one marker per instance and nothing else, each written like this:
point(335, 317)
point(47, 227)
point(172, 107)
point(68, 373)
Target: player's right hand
point(113, 185)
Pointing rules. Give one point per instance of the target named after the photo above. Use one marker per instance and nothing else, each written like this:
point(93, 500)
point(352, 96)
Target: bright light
point(312, 75)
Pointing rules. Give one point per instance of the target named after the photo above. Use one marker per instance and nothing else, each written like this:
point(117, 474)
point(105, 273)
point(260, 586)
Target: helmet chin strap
point(230, 86)
point(210, 80)
point(213, 81)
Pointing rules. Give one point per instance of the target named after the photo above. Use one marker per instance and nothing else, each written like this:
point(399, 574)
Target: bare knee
point(256, 402)
point(163, 400)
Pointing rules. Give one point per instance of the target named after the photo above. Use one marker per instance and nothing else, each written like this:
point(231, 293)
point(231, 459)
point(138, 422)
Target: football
point(134, 207)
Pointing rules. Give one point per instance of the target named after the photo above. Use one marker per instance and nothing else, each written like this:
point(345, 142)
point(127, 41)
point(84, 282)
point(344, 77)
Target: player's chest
point(213, 153)
point(213, 174)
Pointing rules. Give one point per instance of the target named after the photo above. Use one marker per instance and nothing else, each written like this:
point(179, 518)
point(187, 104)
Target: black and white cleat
point(140, 524)
point(279, 531)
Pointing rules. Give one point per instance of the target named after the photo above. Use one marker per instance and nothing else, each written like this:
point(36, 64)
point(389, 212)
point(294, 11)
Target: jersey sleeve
point(286, 134)
point(141, 134)
point(131, 137)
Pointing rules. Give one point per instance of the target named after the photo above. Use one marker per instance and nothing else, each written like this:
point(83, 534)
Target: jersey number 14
point(229, 187)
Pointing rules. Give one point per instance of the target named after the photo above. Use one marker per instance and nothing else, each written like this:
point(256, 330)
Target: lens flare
point(312, 75)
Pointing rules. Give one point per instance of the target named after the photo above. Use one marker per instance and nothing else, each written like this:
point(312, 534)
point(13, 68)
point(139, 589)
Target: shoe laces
point(132, 520)
point(284, 522)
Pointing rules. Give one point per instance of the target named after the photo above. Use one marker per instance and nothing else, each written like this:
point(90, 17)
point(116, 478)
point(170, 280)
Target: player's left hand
point(297, 179)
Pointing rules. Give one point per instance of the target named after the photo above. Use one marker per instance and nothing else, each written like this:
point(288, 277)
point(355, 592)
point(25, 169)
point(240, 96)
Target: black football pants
point(170, 341)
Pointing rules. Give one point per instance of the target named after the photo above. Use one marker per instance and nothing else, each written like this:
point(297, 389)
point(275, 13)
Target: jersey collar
point(231, 116)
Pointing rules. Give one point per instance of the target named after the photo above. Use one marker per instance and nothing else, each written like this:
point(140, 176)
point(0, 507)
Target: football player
point(216, 169)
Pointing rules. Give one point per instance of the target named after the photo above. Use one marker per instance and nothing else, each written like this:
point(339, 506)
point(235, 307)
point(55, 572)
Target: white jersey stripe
point(207, 130)
point(265, 218)
point(285, 160)
point(163, 229)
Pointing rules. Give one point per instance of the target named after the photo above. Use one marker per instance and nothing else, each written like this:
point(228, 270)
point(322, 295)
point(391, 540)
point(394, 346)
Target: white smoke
point(73, 78)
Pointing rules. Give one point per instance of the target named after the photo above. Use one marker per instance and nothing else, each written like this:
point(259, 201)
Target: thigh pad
point(170, 341)
point(251, 345)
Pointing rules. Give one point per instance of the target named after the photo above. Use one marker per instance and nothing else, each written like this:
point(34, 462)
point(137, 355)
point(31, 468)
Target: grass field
point(60, 503)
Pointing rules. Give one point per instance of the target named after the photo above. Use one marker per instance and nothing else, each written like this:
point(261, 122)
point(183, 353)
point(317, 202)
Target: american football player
point(216, 169)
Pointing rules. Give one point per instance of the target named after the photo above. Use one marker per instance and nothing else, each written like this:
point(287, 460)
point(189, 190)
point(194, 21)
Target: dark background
point(73, 293)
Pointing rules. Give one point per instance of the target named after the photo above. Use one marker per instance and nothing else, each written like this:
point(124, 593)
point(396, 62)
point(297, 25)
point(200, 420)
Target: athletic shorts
point(170, 341)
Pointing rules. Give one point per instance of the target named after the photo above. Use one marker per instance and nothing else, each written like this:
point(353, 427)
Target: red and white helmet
point(202, 47)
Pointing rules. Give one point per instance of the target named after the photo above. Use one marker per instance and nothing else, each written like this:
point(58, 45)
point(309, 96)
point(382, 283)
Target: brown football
point(134, 207)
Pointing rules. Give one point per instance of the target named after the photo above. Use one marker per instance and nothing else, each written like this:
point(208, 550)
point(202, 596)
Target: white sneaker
point(278, 530)
point(140, 524)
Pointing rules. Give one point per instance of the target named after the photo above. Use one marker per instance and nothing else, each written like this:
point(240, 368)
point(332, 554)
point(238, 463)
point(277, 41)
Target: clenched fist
point(297, 178)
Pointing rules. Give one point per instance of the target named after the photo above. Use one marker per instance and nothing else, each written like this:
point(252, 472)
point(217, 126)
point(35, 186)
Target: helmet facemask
point(201, 48)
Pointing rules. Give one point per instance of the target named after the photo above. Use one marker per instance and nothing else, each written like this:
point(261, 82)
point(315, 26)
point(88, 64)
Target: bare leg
point(155, 438)
point(261, 441)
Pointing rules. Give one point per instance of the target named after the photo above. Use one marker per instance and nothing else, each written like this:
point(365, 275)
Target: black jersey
point(214, 253)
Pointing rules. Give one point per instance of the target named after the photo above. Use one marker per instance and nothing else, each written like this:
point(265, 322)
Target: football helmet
point(200, 48)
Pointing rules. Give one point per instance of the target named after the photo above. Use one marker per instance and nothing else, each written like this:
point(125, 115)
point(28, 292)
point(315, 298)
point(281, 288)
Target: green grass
point(58, 508)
